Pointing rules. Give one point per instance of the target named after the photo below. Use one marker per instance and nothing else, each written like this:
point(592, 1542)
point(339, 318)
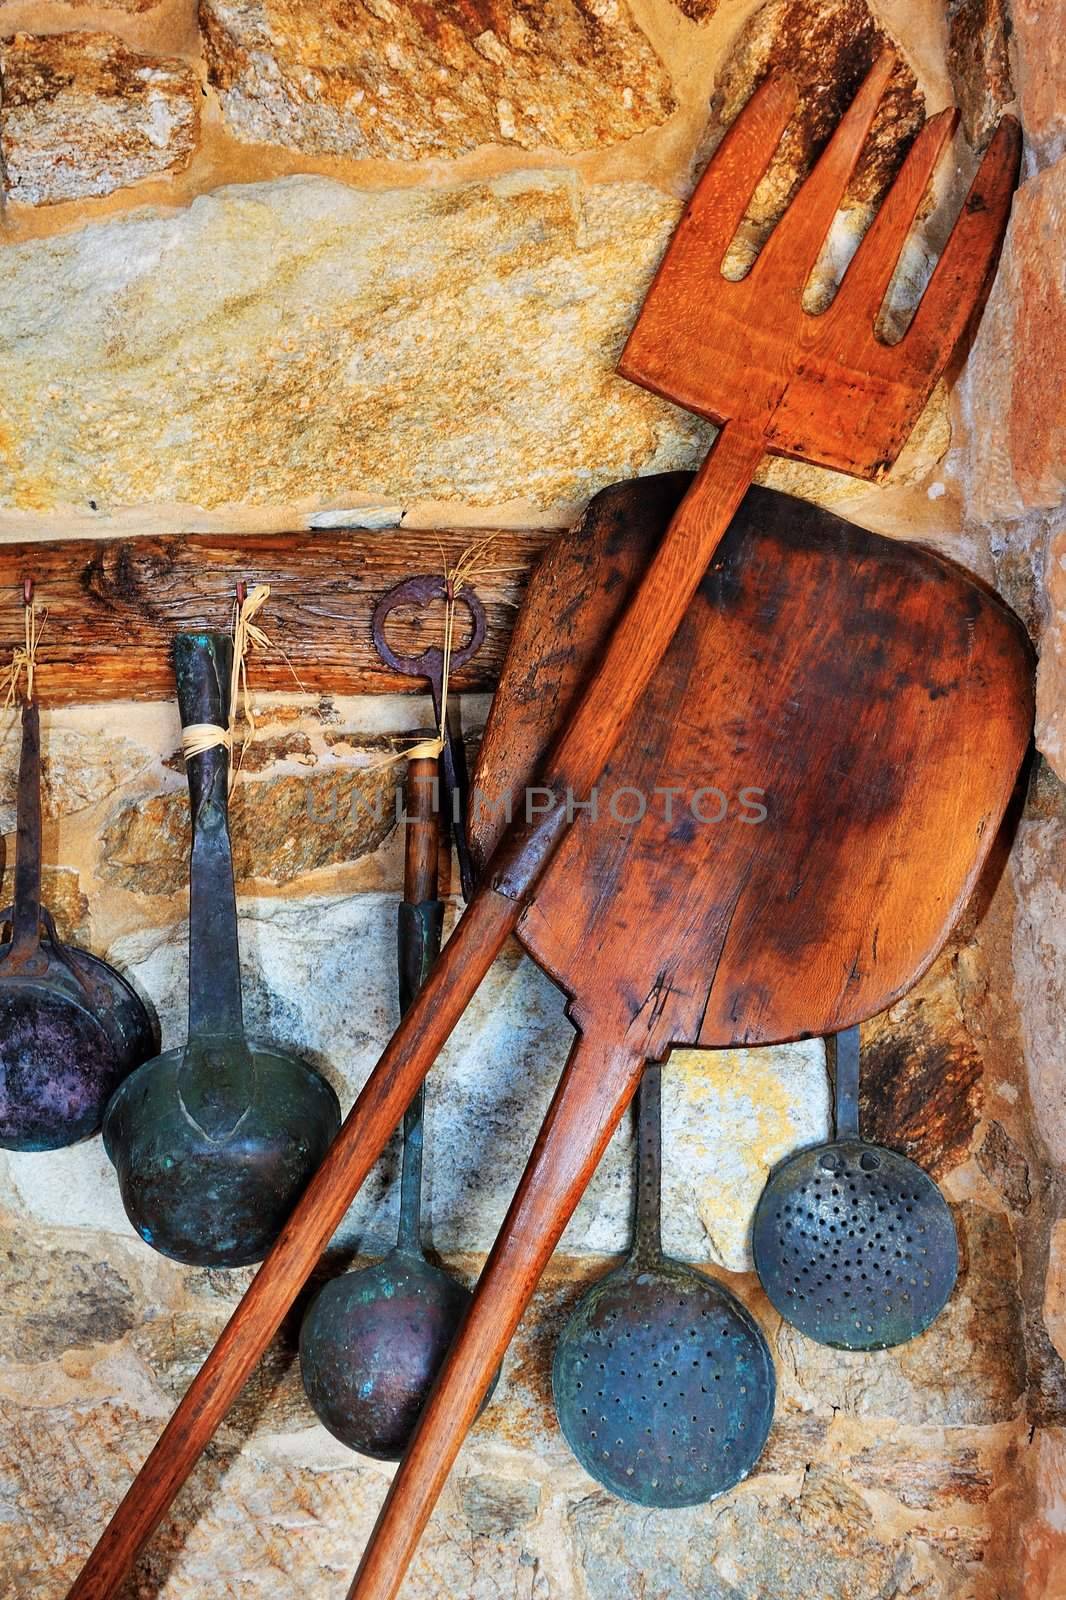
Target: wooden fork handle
point(635, 650)
point(642, 636)
point(597, 1084)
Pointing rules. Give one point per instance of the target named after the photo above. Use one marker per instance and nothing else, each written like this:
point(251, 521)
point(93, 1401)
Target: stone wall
point(275, 266)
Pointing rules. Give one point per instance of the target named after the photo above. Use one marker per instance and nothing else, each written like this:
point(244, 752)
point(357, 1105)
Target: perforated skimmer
point(855, 1245)
point(663, 1383)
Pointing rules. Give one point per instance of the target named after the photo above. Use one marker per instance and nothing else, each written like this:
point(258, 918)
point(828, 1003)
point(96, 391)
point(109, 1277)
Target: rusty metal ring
point(420, 591)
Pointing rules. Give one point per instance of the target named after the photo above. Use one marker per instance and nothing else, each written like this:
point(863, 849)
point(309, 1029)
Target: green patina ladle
point(213, 1143)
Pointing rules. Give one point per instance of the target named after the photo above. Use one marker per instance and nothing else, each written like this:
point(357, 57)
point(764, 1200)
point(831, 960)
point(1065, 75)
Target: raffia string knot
point(199, 737)
point(24, 657)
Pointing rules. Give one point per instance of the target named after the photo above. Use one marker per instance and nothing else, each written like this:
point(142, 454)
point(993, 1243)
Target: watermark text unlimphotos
point(706, 804)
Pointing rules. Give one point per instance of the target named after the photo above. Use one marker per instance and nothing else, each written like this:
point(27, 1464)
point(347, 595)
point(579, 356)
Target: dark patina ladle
point(664, 1385)
point(71, 1027)
point(855, 1245)
point(372, 1341)
point(422, 591)
point(214, 1142)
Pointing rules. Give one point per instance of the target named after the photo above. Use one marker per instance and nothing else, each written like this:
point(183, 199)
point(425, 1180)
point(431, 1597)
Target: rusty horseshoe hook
point(422, 591)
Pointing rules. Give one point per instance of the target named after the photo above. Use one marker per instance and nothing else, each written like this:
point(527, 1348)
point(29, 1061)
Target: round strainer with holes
point(854, 1244)
point(663, 1383)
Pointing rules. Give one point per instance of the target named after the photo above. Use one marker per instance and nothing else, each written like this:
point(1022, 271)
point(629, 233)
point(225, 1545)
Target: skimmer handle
point(843, 1049)
point(647, 1234)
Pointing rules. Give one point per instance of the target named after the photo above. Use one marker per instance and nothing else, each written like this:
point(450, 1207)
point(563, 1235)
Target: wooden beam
point(114, 605)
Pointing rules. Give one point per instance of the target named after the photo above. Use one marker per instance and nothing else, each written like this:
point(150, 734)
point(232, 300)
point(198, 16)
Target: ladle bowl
point(71, 1027)
point(372, 1343)
point(215, 1191)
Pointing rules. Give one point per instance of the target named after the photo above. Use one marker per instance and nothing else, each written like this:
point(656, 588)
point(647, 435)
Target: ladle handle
point(597, 1084)
point(647, 1233)
point(26, 916)
point(843, 1050)
point(202, 663)
point(457, 783)
point(420, 924)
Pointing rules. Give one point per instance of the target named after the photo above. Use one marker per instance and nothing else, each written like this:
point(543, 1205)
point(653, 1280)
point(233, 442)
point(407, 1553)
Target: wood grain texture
point(879, 700)
point(114, 606)
point(876, 702)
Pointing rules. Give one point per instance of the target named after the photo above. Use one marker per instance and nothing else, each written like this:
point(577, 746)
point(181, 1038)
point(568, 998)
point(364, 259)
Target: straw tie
point(24, 656)
point(199, 737)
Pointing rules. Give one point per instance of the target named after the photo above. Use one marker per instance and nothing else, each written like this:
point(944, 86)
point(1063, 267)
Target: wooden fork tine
point(858, 300)
point(708, 223)
point(966, 263)
point(721, 197)
point(793, 247)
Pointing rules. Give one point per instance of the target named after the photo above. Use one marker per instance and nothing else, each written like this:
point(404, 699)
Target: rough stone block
point(299, 343)
point(1018, 435)
point(979, 63)
point(968, 1368)
point(79, 769)
point(1005, 1166)
point(1051, 672)
point(921, 1074)
point(1055, 1288)
point(827, 47)
point(281, 826)
point(821, 1539)
point(1041, 59)
point(1039, 873)
point(400, 79)
point(81, 115)
point(1044, 1536)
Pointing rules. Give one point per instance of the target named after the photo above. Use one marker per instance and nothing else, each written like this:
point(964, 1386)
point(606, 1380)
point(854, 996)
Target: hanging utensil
point(372, 1342)
point(434, 664)
point(71, 1027)
point(854, 1244)
point(983, 707)
point(213, 1142)
point(663, 1383)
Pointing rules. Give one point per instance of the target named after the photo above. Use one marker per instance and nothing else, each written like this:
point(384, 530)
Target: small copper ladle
point(372, 1342)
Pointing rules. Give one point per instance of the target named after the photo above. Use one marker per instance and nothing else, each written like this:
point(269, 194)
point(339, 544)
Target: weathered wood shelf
point(114, 605)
